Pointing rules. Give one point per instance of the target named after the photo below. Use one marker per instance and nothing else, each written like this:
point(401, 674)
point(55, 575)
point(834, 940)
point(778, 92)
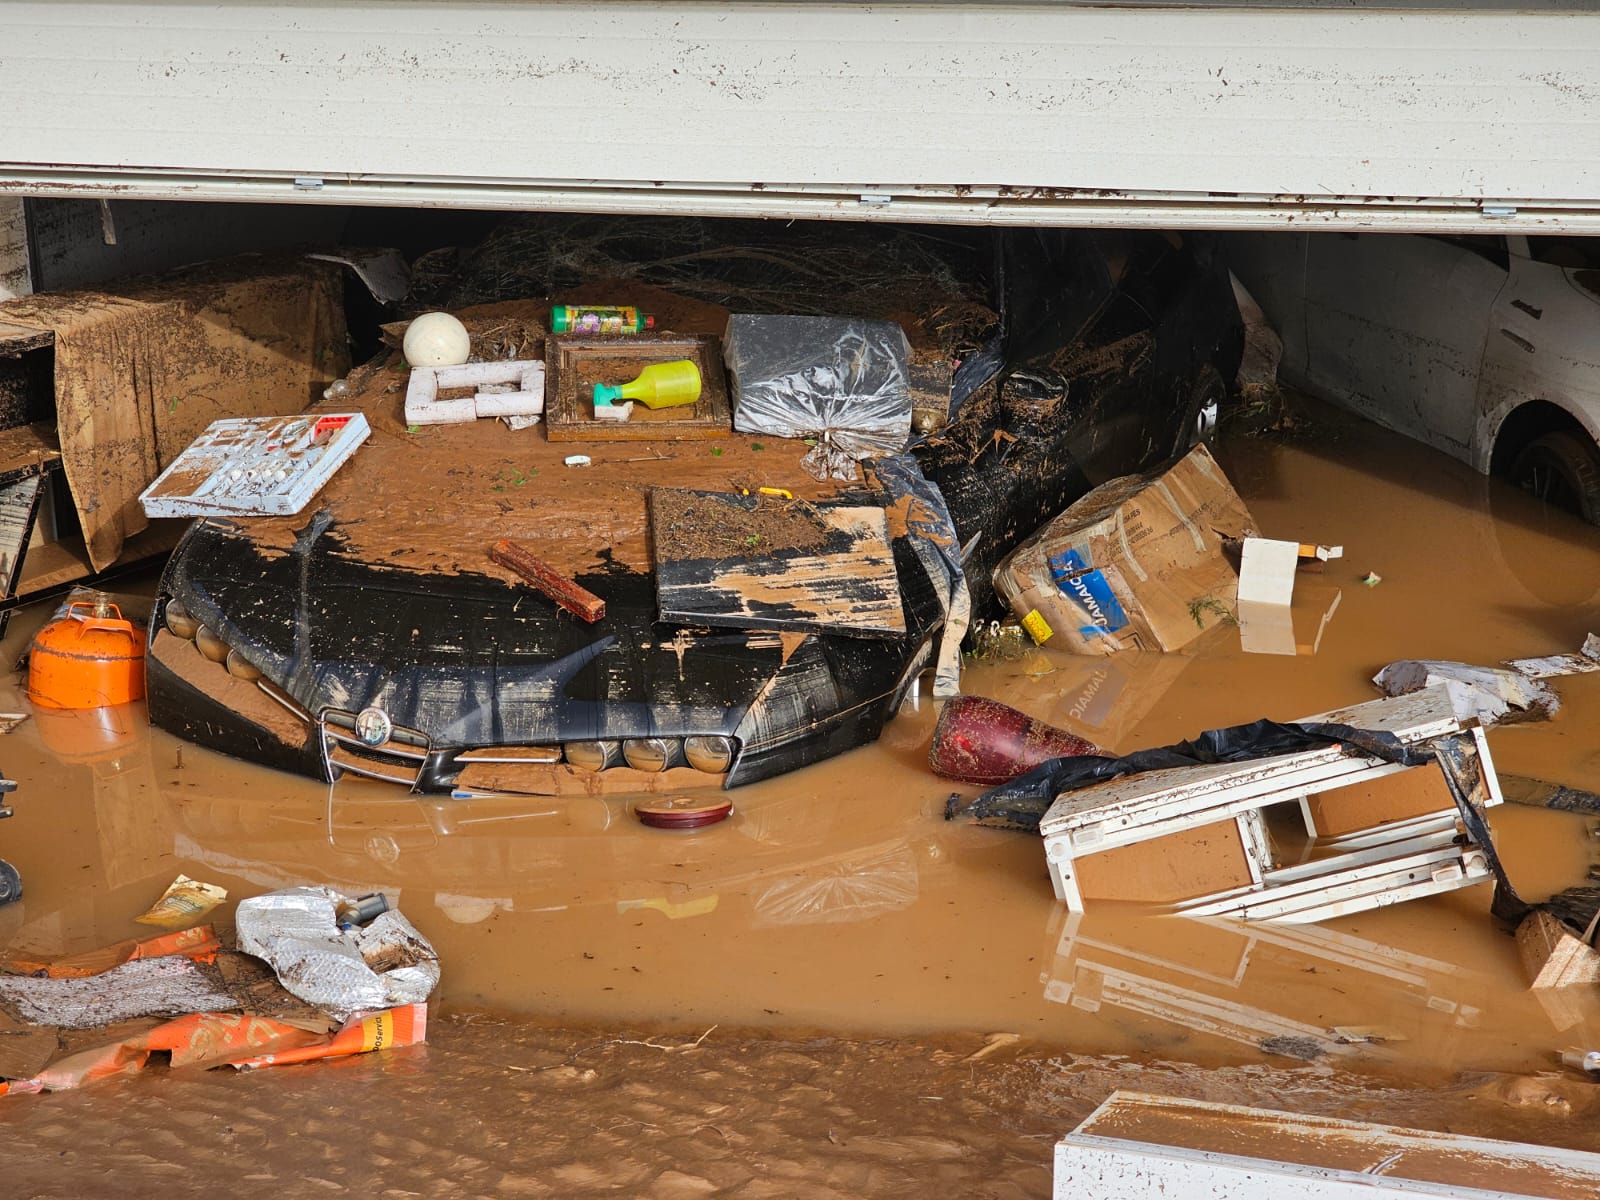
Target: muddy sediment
point(690, 525)
point(492, 1107)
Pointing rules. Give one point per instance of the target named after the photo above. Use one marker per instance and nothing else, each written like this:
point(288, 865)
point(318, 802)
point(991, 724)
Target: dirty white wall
point(15, 277)
point(1030, 112)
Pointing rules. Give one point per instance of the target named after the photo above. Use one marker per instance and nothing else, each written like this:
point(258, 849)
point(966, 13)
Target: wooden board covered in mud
point(1141, 1145)
point(763, 562)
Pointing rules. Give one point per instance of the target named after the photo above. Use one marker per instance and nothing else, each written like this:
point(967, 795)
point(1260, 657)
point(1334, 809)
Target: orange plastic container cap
point(88, 658)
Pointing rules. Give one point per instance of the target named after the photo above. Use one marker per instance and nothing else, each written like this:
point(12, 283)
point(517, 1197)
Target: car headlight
point(709, 753)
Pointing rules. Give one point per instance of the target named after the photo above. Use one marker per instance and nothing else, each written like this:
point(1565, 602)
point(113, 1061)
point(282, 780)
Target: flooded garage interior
point(837, 912)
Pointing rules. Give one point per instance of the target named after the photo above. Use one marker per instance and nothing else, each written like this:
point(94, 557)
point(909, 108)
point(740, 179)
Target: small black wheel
point(1203, 410)
point(1563, 470)
point(10, 883)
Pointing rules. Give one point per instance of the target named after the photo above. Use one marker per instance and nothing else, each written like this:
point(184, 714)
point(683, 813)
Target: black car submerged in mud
point(304, 644)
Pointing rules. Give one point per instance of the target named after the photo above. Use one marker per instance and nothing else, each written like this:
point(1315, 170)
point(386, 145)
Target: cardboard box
point(1135, 564)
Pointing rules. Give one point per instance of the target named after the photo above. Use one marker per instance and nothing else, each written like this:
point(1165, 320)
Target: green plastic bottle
point(660, 385)
point(599, 318)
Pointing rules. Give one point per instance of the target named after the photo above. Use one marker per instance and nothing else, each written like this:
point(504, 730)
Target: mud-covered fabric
point(142, 366)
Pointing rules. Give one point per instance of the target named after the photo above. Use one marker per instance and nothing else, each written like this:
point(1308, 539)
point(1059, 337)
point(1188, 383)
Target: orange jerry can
point(87, 658)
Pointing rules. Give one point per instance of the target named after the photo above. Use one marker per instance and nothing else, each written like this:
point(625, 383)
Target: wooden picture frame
point(573, 365)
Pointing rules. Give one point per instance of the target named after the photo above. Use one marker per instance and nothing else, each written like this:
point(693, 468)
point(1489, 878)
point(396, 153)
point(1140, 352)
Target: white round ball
point(436, 339)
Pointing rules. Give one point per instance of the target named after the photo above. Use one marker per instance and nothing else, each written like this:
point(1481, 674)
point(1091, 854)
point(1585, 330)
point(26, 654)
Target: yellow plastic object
point(87, 658)
point(660, 385)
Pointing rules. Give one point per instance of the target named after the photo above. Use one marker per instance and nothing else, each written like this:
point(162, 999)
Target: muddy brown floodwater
point(836, 919)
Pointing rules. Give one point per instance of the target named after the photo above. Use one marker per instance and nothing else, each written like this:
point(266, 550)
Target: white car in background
point(1485, 347)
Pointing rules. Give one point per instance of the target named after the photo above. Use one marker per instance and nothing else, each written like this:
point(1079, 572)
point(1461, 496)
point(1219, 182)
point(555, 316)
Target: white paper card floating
point(267, 466)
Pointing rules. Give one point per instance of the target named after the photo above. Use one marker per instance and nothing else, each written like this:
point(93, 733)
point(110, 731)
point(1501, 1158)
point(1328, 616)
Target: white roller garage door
point(1034, 113)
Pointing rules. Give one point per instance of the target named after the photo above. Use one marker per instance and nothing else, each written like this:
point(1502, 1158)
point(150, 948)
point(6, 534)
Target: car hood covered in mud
point(371, 633)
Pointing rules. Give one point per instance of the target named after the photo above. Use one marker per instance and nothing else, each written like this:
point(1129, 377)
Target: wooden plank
point(575, 599)
point(16, 340)
point(56, 563)
point(1411, 718)
point(19, 510)
point(1416, 839)
point(28, 450)
point(1137, 1145)
point(837, 576)
point(575, 364)
point(1341, 888)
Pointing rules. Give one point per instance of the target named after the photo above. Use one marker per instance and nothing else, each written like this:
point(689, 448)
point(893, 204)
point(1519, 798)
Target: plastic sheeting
point(933, 534)
point(1022, 803)
point(839, 381)
point(342, 971)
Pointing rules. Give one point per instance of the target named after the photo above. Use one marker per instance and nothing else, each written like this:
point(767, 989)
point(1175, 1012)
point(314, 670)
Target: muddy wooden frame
point(1419, 855)
point(1137, 1145)
point(569, 413)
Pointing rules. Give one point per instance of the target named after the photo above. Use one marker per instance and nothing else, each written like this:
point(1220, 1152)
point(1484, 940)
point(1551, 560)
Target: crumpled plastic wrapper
point(841, 381)
point(342, 971)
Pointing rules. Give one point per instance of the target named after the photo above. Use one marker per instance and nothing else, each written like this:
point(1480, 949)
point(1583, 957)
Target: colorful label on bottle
point(598, 318)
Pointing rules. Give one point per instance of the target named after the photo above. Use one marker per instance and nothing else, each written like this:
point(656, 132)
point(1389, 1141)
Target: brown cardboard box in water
point(1135, 564)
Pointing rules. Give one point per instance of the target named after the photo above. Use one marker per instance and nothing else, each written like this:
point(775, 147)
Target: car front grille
point(400, 759)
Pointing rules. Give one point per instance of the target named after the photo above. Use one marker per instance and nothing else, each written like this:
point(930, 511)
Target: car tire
point(1204, 408)
point(10, 883)
point(1563, 470)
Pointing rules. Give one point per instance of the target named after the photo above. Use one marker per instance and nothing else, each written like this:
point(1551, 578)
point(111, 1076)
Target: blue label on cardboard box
point(1090, 590)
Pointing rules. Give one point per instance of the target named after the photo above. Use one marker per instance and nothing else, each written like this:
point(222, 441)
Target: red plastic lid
point(682, 812)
